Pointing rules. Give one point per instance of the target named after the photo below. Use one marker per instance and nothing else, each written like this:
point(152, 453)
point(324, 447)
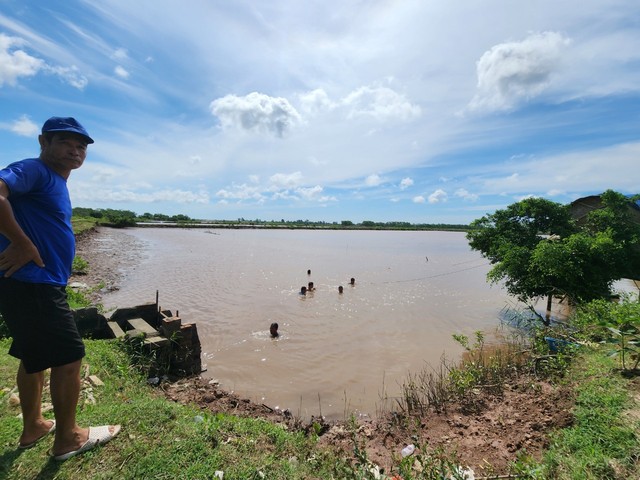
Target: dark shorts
point(41, 323)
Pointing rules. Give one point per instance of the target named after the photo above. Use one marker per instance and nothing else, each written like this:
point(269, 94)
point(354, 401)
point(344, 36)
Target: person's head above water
point(273, 329)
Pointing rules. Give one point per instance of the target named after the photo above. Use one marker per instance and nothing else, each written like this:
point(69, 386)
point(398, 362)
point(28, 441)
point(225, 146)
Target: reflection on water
point(337, 352)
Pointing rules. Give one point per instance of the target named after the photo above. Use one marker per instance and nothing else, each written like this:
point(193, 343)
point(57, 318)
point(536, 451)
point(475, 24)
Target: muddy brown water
point(336, 353)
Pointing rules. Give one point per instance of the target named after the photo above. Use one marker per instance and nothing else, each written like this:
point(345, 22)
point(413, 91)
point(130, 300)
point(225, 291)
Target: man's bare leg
point(34, 425)
point(65, 392)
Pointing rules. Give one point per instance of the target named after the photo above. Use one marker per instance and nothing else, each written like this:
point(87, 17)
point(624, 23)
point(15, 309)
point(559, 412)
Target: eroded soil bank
point(486, 437)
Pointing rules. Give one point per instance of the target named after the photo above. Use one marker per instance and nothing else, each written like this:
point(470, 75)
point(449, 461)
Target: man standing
point(37, 246)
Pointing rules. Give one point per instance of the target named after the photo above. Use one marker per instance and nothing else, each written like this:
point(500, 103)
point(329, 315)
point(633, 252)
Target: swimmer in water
point(273, 330)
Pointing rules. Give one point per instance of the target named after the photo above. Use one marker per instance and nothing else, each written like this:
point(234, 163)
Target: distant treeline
point(127, 218)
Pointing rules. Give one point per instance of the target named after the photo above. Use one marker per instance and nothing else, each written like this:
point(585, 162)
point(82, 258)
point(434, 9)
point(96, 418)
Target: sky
point(421, 111)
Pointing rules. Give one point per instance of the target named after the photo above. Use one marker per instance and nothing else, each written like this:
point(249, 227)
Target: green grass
point(159, 439)
point(603, 442)
point(81, 224)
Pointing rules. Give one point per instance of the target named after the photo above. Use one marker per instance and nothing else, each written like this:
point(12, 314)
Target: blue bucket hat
point(65, 124)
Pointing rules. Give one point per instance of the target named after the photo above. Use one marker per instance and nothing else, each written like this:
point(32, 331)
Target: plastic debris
point(464, 474)
point(408, 450)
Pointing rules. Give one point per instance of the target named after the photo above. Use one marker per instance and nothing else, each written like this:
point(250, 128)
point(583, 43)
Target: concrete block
point(115, 329)
point(171, 325)
point(143, 326)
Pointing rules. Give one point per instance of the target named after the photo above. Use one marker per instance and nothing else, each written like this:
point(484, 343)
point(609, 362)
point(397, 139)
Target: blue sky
point(420, 111)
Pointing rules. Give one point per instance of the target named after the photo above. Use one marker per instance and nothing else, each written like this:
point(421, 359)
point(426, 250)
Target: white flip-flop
point(97, 436)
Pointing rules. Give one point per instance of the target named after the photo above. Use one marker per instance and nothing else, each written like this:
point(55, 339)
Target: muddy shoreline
point(109, 253)
point(486, 439)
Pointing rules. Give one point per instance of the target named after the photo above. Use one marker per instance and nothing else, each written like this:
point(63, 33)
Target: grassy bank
point(163, 439)
point(82, 224)
point(160, 439)
point(603, 443)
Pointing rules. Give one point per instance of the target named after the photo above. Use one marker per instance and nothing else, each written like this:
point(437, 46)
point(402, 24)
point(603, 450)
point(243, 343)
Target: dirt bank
point(110, 253)
point(486, 439)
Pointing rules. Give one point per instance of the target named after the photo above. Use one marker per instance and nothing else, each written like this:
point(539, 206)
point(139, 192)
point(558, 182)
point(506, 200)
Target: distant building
point(581, 207)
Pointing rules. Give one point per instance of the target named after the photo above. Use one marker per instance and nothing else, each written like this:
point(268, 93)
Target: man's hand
point(16, 255)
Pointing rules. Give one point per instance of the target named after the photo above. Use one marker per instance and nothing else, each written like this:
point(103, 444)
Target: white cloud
point(373, 180)
point(287, 180)
point(24, 127)
point(120, 54)
point(124, 196)
point(241, 192)
point(439, 196)
point(71, 75)
point(280, 187)
point(381, 103)
point(406, 183)
point(519, 198)
point(180, 196)
point(256, 112)
point(512, 72)
point(464, 194)
point(315, 101)
point(192, 167)
point(101, 175)
point(376, 102)
point(121, 72)
point(326, 110)
point(311, 193)
point(583, 171)
point(16, 63)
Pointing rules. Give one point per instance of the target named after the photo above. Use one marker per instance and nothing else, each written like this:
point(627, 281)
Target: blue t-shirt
point(40, 201)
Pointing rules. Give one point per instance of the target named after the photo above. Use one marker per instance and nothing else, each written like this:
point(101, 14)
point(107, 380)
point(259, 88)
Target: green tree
point(537, 249)
point(180, 218)
point(620, 219)
point(120, 218)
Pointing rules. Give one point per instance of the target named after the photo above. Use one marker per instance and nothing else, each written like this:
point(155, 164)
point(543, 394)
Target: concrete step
point(115, 329)
point(142, 326)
